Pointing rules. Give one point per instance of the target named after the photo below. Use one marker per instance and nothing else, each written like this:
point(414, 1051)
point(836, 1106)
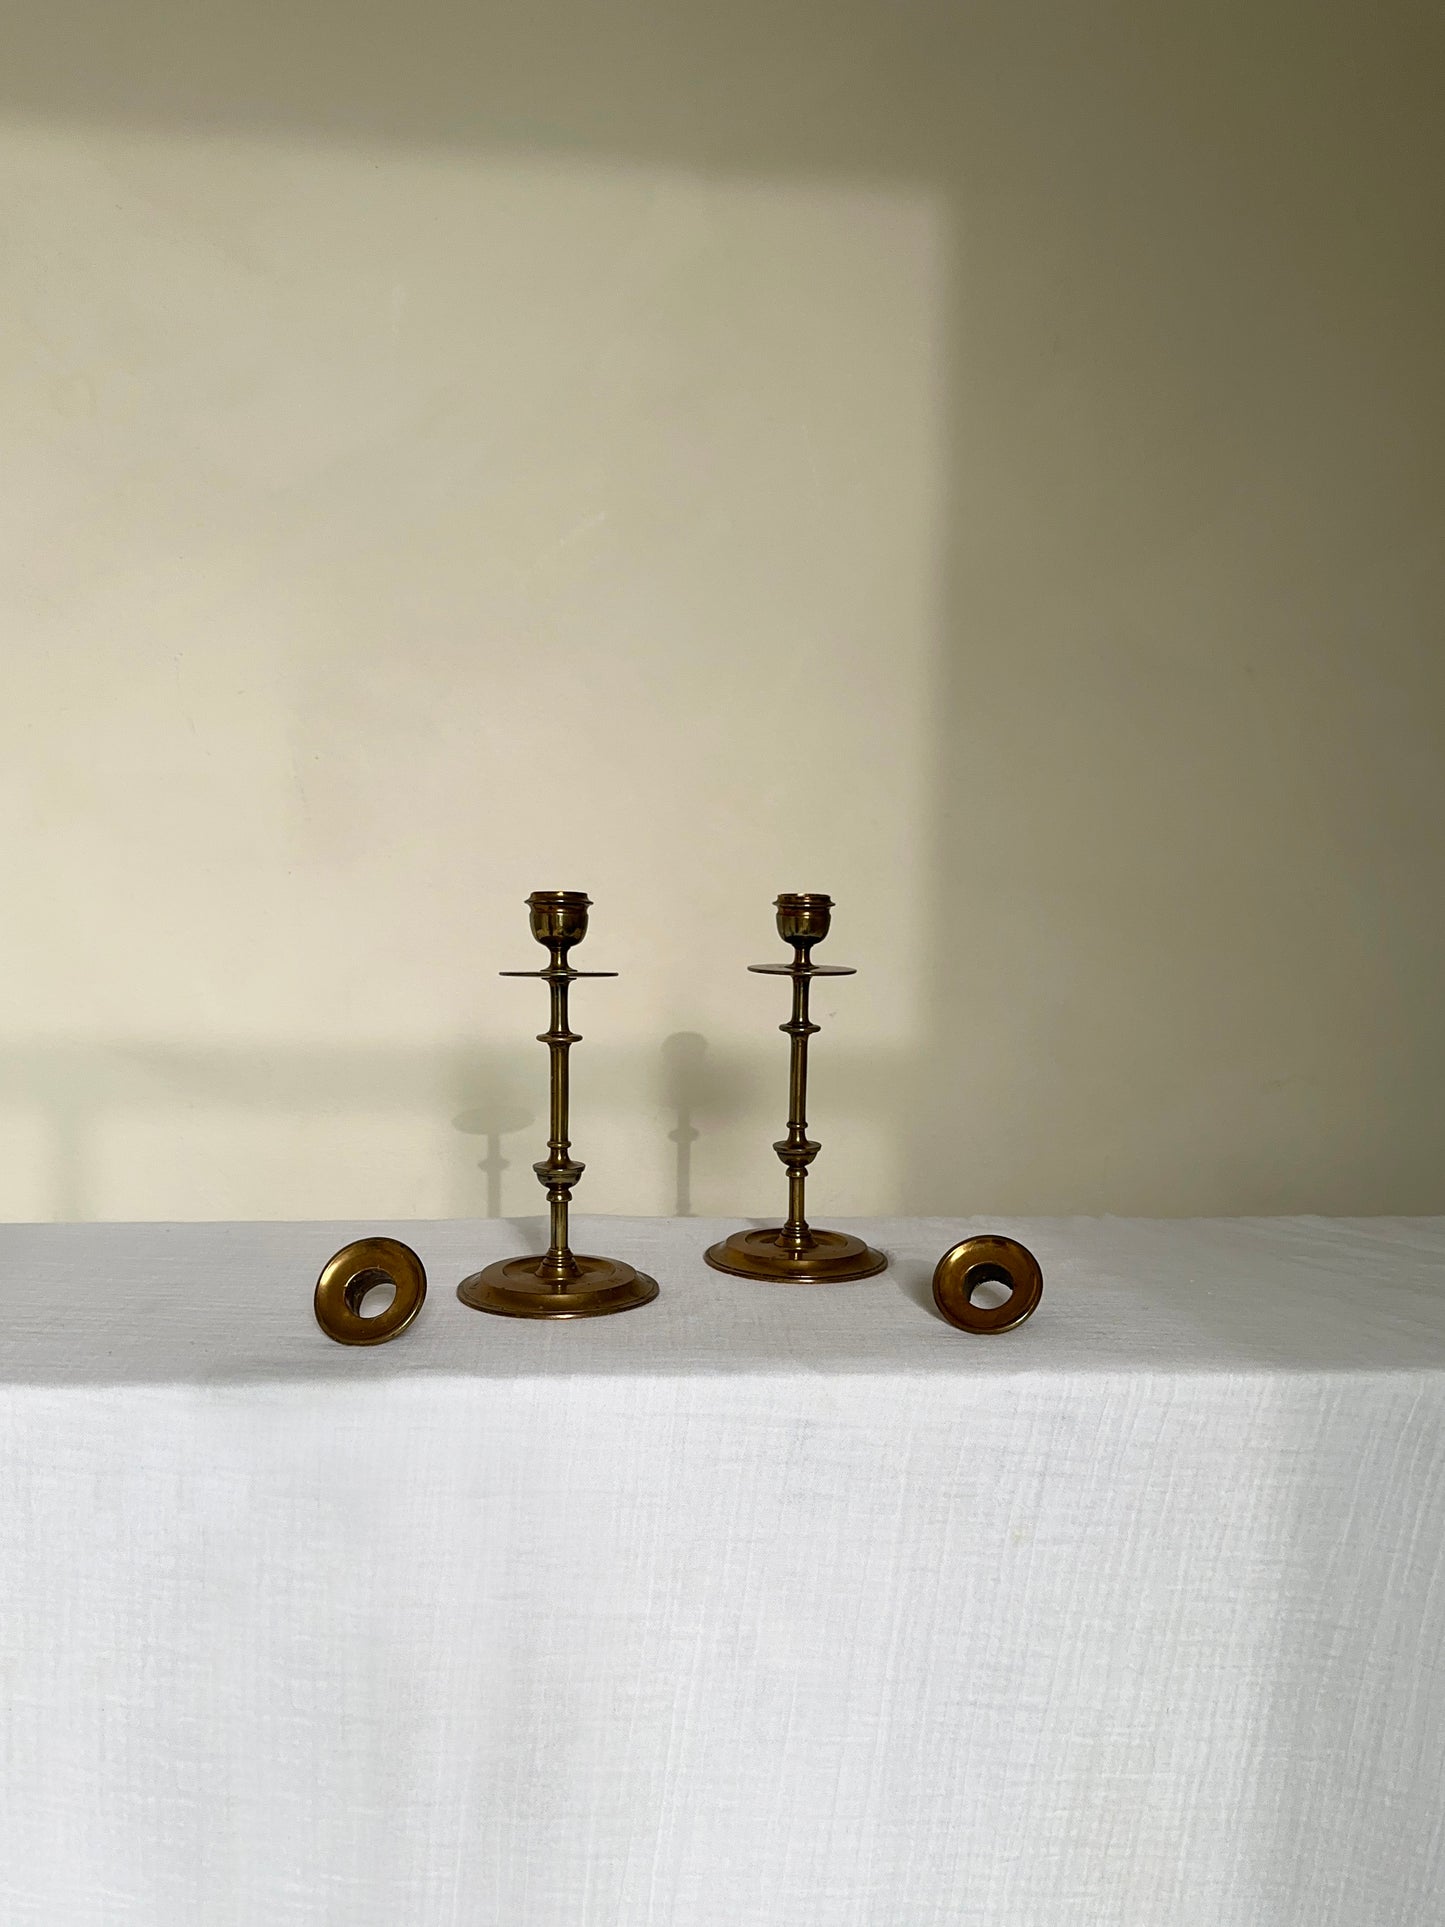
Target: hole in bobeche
point(370, 1293)
point(988, 1287)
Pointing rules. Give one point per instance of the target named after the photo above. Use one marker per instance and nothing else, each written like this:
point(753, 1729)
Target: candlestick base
point(833, 1258)
point(515, 1288)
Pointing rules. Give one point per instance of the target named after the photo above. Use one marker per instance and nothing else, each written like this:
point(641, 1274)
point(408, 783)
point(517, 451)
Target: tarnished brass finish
point(828, 1257)
point(795, 1251)
point(989, 1260)
point(352, 1273)
point(518, 1288)
point(561, 1283)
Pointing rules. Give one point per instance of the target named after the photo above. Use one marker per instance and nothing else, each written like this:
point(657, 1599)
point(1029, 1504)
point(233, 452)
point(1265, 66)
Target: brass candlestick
point(794, 1250)
point(562, 1283)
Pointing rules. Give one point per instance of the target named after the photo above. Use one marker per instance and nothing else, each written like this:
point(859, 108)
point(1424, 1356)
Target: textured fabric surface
point(757, 1607)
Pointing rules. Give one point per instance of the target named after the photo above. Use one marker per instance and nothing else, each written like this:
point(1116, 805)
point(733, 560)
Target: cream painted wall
point(982, 462)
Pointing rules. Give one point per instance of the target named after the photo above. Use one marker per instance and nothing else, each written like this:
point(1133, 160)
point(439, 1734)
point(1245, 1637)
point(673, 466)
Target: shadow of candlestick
point(684, 1064)
point(494, 1120)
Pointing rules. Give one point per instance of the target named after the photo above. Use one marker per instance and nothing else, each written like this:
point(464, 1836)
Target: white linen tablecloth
point(761, 1606)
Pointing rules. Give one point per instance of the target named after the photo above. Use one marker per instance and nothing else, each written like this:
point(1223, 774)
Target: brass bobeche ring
point(352, 1273)
point(989, 1260)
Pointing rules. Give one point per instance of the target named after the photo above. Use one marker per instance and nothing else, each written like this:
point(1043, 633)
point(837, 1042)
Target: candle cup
point(804, 918)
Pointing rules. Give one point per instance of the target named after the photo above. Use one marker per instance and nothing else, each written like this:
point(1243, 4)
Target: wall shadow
point(684, 1061)
point(497, 1097)
point(705, 1088)
point(1190, 435)
point(756, 89)
point(495, 1119)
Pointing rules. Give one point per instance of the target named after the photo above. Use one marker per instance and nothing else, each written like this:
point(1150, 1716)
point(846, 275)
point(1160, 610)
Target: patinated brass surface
point(829, 1257)
point(983, 1261)
point(794, 1251)
point(517, 1288)
point(561, 1283)
point(352, 1273)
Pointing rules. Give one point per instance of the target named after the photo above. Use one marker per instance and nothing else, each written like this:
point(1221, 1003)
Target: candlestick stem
point(560, 1171)
point(797, 1150)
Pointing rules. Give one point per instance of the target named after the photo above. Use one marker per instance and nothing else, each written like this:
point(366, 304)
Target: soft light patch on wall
point(388, 535)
